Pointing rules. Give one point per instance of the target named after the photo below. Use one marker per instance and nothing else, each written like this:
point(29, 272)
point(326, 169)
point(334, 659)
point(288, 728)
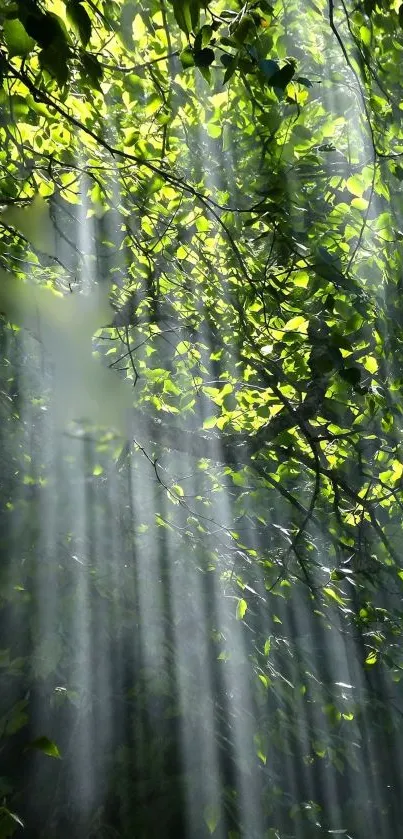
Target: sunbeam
point(200, 404)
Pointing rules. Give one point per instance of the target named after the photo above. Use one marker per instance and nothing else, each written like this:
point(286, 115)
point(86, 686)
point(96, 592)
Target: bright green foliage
point(43, 744)
point(239, 168)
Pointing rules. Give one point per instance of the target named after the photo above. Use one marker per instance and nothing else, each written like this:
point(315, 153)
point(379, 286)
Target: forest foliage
point(229, 174)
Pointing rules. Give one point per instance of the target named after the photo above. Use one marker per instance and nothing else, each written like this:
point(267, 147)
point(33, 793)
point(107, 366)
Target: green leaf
point(54, 59)
point(195, 13)
point(206, 34)
point(210, 422)
point(243, 29)
point(231, 68)
point(355, 185)
point(206, 73)
point(241, 609)
point(212, 817)
point(359, 203)
point(371, 658)
point(15, 719)
point(187, 13)
point(332, 594)
point(46, 28)
point(187, 58)
point(328, 265)
point(17, 39)
point(80, 19)
point(305, 82)
point(204, 57)
point(281, 78)
point(48, 747)
point(260, 748)
point(92, 70)
point(9, 823)
point(324, 359)
point(268, 67)
point(34, 223)
point(352, 375)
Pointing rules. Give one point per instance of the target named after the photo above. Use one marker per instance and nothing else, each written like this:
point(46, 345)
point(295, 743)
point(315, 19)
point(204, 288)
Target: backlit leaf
point(332, 594)
point(80, 19)
point(17, 39)
point(241, 609)
point(48, 747)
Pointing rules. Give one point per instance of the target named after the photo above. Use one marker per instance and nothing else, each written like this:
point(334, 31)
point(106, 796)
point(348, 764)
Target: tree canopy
point(210, 193)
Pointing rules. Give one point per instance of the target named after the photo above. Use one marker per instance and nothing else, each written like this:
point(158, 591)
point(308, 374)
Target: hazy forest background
point(201, 410)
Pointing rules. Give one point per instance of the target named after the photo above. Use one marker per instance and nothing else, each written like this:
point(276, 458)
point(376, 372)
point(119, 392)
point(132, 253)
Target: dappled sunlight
point(200, 404)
